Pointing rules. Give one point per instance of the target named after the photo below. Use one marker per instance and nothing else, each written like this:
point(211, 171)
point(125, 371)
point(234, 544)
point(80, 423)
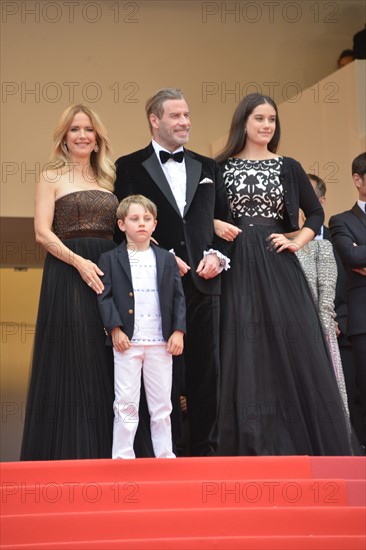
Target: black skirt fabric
point(279, 395)
point(69, 412)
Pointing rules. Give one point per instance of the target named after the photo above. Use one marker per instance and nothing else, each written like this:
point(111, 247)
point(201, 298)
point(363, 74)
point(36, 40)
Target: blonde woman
point(69, 408)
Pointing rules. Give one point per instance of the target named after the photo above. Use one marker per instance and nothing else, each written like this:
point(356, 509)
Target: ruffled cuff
point(224, 260)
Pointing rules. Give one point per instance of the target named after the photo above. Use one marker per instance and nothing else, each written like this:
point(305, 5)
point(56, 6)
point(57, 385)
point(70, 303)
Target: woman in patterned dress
point(279, 395)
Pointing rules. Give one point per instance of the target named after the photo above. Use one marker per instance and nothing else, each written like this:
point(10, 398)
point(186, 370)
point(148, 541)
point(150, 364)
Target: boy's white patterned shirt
point(147, 330)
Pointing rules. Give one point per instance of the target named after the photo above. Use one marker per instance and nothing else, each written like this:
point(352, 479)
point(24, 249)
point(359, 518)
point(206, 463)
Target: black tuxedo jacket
point(141, 173)
point(349, 228)
point(340, 300)
point(117, 304)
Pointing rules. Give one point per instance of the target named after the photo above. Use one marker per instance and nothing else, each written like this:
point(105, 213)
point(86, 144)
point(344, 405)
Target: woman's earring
point(96, 148)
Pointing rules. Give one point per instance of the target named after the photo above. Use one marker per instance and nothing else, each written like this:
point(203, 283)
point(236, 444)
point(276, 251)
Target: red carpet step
point(240, 502)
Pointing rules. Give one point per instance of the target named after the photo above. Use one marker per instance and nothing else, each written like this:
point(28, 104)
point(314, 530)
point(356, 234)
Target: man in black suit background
point(189, 193)
point(349, 234)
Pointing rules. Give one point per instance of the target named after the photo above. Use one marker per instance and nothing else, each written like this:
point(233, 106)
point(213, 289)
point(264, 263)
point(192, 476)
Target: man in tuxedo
point(340, 307)
point(189, 192)
point(349, 234)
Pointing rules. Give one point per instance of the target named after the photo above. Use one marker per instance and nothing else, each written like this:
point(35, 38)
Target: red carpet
point(255, 503)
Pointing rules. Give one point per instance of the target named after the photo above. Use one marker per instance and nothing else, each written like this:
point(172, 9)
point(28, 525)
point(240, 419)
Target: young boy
point(143, 311)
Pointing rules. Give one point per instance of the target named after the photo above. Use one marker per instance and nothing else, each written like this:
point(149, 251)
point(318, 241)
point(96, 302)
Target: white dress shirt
point(175, 173)
point(320, 236)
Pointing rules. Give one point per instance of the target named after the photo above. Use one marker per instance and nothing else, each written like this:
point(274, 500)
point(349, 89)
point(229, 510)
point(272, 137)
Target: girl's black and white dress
point(279, 395)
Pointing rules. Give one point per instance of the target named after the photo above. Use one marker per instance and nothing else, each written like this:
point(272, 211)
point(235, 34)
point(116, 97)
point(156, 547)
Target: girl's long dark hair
point(237, 135)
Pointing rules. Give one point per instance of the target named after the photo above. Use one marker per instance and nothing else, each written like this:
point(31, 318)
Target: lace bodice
point(85, 213)
point(254, 187)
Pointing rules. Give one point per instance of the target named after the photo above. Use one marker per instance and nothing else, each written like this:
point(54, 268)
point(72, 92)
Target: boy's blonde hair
point(125, 204)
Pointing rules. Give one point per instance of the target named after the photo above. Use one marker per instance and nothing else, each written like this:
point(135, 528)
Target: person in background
point(340, 306)
point(320, 268)
point(345, 57)
point(349, 235)
point(359, 44)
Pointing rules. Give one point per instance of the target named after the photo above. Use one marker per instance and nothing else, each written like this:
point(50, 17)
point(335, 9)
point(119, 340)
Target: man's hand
point(360, 270)
point(209, 267)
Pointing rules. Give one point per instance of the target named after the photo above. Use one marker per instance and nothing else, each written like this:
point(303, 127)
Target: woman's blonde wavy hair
point(101, 163)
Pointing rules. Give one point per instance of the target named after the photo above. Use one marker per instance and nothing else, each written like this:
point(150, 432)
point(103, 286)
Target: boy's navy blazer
point(117, 302)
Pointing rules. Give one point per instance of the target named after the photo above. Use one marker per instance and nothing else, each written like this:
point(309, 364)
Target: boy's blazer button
point(130, 311)
point(182, 243)
point(130, 294)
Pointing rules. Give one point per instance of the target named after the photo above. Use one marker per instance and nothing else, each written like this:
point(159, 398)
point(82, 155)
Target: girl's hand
point(279, 242)
point(226, 230)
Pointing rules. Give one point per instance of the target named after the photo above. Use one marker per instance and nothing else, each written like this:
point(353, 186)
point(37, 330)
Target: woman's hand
point(90, 273)
point(226, 230)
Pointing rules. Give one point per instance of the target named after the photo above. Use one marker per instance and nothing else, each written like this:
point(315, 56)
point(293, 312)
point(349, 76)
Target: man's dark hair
point(359, 165)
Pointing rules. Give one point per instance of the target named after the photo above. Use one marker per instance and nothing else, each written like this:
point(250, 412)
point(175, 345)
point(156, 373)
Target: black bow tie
point(165, 156)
